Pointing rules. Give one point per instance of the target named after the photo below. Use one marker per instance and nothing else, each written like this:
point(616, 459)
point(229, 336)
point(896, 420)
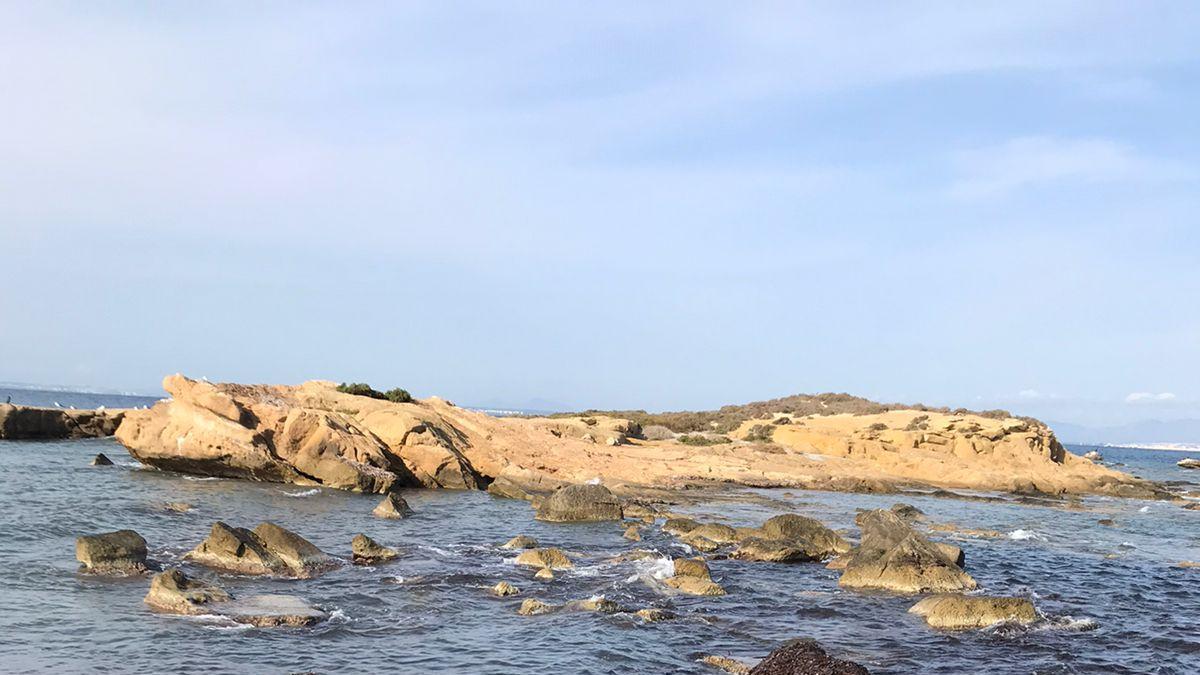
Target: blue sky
point(667, 206)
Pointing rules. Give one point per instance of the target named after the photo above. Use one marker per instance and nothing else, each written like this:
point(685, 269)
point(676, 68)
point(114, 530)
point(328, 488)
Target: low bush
point(760, 433)
point(362, 389)
point(699, 440)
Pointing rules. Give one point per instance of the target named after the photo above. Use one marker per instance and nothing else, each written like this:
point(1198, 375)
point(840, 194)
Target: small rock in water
point(504, 589)
point(367, 551)
point(598, 604)
point(908, 512)
point(702, 544)
point(632, 533)
point(521, 541)
point(101, 460)
point(548, 558)
point(580, 503)
point(172, 591)
point(726, 664)
point(654, 614)
point(957, 612)
point(1189, 463)
point(393, 506)
point(1107, 521)
point(178, 507)
point(805, 657)
point(268, 549)
point(1187, 563)
point(764, 550)
point(692, 577)
point(545, 574)
point(532, 607)
point(117, 553)
point(1093, 455)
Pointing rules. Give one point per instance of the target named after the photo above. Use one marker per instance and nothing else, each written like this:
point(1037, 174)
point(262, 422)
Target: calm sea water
point(1113, 601)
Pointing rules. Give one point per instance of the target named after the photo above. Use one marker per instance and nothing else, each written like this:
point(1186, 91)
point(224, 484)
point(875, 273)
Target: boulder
point(726, 664)
point(597, 604)
point(765, 550)
point(580, 503)
point(118, 553)
point(18, 422)
point(957, 612)
point(268, 549)
point(505, 589)
point(101, 460)
point(715, 532)
point(392, 506)
point(366, 551)
point(952, 553)
point(300, 555)
point(805, 657)
point(693, 578)
point(521, 541)
point(702, 544)
point(640, 510)
point(544, 574)
point(907, 512)
point(679, 526)
point(655, 614)
point(532, 607)
point(816, 539)
point(632, 533)
point(893, 556)
point(1188, 463)
point(549, 558)
point(172, 591)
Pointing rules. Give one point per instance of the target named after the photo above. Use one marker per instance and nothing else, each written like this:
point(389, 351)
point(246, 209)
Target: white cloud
point(1145, 396)
point(1031, 393)
point(1037, 160)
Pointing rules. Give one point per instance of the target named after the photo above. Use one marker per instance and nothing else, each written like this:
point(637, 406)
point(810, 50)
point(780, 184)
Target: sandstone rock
point(393, 506)
point(679, 526)
point(645, 512)
point(504, 589)
point(966, 531)
point(765, 550)
point(1189, 463)
point(118, 553)
point(597, 604)
point(178, 507)
point(952, 553)
point(805, 657)
point(521, 541)
point(816, 539)
point(366, 551)
point(892, 556)
point(580, 503)
point(655, 614)
point(1108, 522)
point(632, 533)
point(544, 574)
point(957, 612)
point(507, 488)
point(637, 554)
point(692, 577)
point(726, 664)
point(32, 423)
point(715, 532)
point(691, 567)
point(551, 558)
point(908, 513)
point(101, 460)
point(840, 562)
point(299, 554)
point(269, 549)
point(532, 607)
point(172, 591)
point(702, 544)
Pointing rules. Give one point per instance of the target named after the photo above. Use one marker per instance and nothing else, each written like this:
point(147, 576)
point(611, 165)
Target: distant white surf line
point(1173, 447)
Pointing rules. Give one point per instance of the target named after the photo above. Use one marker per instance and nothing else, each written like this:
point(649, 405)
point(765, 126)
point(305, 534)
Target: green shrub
point(760, 433)
point(398, 395)
point(362, 389)
point(878, 426)
point(697, 439)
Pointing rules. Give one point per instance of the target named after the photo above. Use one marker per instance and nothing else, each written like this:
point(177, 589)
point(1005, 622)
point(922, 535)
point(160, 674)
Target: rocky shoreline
point(18, 422)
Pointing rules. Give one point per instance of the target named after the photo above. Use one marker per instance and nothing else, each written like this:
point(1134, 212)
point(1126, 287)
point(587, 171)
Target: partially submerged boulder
point(548, 558)
point(392, 506)
point(765, 550)
point(533, 607)
point(816, 539)
point(714, 532)
point(172, 591)
point(268, 549)
point(955, 611)
point(298, 553)
point(520, 541)
point(1189, 463)
point(693, 577)
point(805, 657)
point(117, 553)
point(702, 544)
point(366, 551)
point(504, 589)
point(632, 533)
point(679, 526)
point(101, 459)
point(580, 503)
point(655, 614)
point(893, 556)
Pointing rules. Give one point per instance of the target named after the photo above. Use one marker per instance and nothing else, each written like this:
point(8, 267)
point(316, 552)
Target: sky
point(633, 205)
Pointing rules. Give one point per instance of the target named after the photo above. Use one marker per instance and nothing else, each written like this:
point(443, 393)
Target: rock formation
point(173, 592)
point(268, 549)
point(520, 541)
point(101, 459)
point(957, 612)
point(692, 577)
point(805, 657)
point(392, 506)
point(547, 558)
point(18, 422)
point(366, 551)
point(580, 503)
point(117, 553)
point(894, 557)
point(504, 589)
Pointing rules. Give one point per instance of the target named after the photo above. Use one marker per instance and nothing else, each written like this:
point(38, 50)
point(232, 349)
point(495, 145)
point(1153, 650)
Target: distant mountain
point(1144, 432)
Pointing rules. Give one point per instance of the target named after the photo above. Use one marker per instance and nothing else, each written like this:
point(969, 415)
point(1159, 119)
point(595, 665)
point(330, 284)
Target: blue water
point(73, 399)
point(1112, 599)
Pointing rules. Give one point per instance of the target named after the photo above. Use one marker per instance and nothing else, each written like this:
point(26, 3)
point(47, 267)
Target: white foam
point(302, 493)
point(594, 481)
point(202, 478)
point(1021, 535)
point(440, 551)
point(1070, 624)
point(1144, 509)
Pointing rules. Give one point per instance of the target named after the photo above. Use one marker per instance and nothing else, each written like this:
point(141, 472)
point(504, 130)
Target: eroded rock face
point(894, 557)
point(366, 551)
point(117, 553)
point(959, 612)
point(268, 549)
point(174, 592)
point(805, 657)
point(18, 422)
point(580, 503)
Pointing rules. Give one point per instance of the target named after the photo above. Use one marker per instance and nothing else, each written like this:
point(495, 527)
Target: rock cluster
point(267, 549)
point(172, 591)
point(27, 422)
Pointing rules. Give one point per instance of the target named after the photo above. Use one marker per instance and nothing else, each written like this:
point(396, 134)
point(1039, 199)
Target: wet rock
point(580, 503)
point(269, 549)
point(521, 541)
point(693, 577)
point(637, 554)
point(172, 591)
point(715, 532)
point(893, 556)
point(640, 510)
point(805, 657)
point(1189, 463)
point(505, 589)
point(18, 422)
point(765, 550)
point(1093, 455)
point(816, 539)
point(178, 507)
point(300, 555)
point(957, 612)
point(117, 553)
point(550, 558)
point(907, 512)
point(544, 574)
point(366, 551)
point(393, 506)
point(1109, 522)
point(952, 553)
point(655, 614)
point(966, 531)
point(632, 533)
point(597, 604)
point(702, 544)
point(679, 526)
point(532, 607)
point(101, 460)
point(840, 562)
point(507, 488)
point(726, 664)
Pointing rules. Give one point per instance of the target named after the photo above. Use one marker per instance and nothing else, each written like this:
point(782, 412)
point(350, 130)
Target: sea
point(1111, 598)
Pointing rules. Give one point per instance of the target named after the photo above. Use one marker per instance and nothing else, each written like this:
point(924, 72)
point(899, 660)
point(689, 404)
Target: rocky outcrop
point(693, 577)
point(116, 553)
point(366, 551)
point(805, 657)
point(173, 592)
point(392, 506)
point(520, 542)
point(547, 558)
point(268, 549)
point(101, 459)
point(504, 589)
point(1189, 463)
point(894, 557)
point(726, 664)
point(766, 550)
point(18, 422)
point(580, 503)
point(958, 612)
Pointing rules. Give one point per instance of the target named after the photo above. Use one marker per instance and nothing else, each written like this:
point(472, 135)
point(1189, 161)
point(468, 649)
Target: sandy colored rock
point(392, 506)
point(805, 657)
point(178, 507)
point(1188, 463)
point(766, 550)
point(580, 503)
point(714, 532)
point(101, 460)
point(505, 589)
point(803, 532)
point(520, 542)
point(117, 553)
point(679, 526)
point(726, 664)
point(655, 614)
point(632, 533)
point(297, 553)
point(966, 531)
point(18, 422)
point(894, 557)
point(597, 604)
point(692, 577)
point(957, 612)
point(532, 607)
point(366, 551)
point(702, 544)
point(173, 592)
point(544, 574)
point(268, 549)
point(552, 558)
point(952, 553)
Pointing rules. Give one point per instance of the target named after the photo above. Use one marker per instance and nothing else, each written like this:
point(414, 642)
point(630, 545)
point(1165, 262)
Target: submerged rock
point(764, 550)
point(520, 541)
point(101, 460)
point(393, 506)
point(692, 576)
point(504, 589)
point(172, 591)
point(632, 533)
point(366, 551)
point(1189, 463)
point(893, 556)
point(269, 549)
point(956, 612)
point(580, 503)
point(805, 657)
point(549, 558)
point(532, 607)
point(117, 553)
point(816, 539)
point(726, 664)
point(655, 614)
